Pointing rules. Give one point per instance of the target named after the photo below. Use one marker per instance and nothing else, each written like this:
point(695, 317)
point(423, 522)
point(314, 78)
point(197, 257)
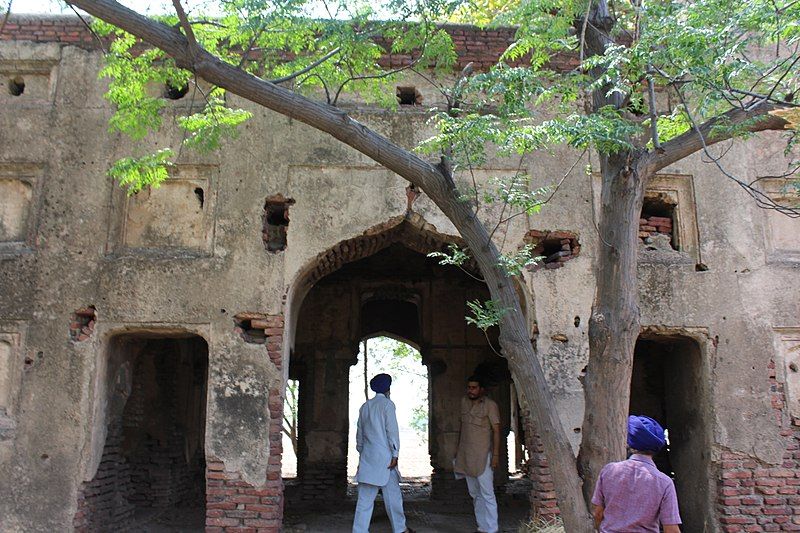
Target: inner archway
point(410, 390)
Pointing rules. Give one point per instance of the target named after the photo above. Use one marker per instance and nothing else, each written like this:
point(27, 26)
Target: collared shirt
point(475, 442)
point(635, 496)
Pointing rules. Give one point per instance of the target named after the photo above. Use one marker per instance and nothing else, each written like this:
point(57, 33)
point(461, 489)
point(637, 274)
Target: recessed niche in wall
point(178, 215)
point(782, 232)
point(10, 374)
point(27, 82)
point(17, 197)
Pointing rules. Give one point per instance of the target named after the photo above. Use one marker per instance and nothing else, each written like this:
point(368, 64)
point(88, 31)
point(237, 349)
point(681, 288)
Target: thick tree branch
point(754, 120)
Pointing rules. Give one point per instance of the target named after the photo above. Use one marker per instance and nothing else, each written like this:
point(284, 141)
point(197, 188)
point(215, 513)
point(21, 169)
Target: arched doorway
point(383, 283)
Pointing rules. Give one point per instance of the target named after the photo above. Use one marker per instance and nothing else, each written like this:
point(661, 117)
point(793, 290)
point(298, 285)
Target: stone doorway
point(383, 283)
point(151, 474)
point(669, 384)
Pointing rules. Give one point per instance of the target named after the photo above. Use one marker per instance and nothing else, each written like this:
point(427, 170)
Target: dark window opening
point(16, 86)
point(171, 92)
point(276, 223)
point(656, 222)
point(198, 191)
point(408, 96)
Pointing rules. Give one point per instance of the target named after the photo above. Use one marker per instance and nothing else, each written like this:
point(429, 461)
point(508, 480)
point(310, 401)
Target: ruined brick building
point(145, 341)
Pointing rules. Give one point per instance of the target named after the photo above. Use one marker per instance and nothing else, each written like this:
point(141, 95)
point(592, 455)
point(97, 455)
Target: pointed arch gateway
point(383, 282)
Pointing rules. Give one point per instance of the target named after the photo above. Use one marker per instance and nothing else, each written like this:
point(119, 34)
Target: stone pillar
point(324, 422)
point(446, 389)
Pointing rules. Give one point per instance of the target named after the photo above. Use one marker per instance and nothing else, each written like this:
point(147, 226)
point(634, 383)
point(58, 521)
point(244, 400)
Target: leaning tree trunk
point(523, 361)
point(614, 324)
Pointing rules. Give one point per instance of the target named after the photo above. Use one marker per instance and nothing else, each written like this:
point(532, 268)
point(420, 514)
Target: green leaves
point(138, 173)
point(485, 314)
point(455, 256)
point(216, 121)
point(514, 263)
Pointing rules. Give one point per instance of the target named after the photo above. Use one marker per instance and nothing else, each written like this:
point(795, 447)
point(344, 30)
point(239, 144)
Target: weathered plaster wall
point(74, 253)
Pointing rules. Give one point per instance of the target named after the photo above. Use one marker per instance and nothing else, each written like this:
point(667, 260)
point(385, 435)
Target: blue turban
point(381, 383)
point(645, 434)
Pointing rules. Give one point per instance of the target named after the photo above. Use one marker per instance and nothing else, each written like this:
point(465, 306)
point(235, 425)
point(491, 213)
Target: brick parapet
point(753, 496)
point(481, 47)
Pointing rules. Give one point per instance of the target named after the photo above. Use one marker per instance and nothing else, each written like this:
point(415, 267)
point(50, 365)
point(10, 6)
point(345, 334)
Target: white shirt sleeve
point(392, 431)
point(359, 433)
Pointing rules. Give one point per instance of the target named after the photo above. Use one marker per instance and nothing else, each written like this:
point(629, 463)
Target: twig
point(187, 28)
point(88, 27)
point(651, 93)
point(308, 68)
point(583, 29)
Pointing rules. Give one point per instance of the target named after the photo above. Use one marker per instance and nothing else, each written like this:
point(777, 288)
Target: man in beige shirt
point(479, 452)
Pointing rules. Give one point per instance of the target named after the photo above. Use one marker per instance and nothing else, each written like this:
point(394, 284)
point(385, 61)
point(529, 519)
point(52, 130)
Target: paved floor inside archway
point(422, 514)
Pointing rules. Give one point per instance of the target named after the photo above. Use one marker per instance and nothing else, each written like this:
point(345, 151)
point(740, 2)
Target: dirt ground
point(422, 514)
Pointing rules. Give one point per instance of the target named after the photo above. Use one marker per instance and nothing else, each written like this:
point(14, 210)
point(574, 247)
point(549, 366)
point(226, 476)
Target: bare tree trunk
point(614, 324)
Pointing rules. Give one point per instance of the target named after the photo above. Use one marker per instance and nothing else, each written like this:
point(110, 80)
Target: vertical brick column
point(234, 505)
point(543, 495)
point(753, 496)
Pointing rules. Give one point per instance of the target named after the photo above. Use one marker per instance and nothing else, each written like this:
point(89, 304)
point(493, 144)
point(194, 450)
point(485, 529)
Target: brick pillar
point(543, 495)
point(324, 422)
point(233, 504)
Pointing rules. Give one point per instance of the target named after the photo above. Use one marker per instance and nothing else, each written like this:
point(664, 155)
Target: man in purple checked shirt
point(633, 496)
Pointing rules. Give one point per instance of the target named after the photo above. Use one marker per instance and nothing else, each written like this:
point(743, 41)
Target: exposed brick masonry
point(232, 504)
point(145, 465)
point(753, 496)
point(556, 248)
point(653, 225)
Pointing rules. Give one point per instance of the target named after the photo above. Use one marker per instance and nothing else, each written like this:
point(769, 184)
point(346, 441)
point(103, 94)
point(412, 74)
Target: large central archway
point(382, 282)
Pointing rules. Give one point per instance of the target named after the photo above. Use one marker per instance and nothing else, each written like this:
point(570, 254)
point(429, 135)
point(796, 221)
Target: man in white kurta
point(378, 443)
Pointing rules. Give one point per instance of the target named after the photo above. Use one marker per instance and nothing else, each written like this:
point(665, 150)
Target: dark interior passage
point(668, 384)
point(153, 459)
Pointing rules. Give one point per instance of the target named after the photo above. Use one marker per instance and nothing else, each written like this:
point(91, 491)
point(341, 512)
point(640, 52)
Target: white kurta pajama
point(377, 442)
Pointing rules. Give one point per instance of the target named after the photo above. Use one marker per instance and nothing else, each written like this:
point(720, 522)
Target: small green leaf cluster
point(514, 263)
point(216, 121)
point(485, 314)
point(455, 256)
point(136, 173)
